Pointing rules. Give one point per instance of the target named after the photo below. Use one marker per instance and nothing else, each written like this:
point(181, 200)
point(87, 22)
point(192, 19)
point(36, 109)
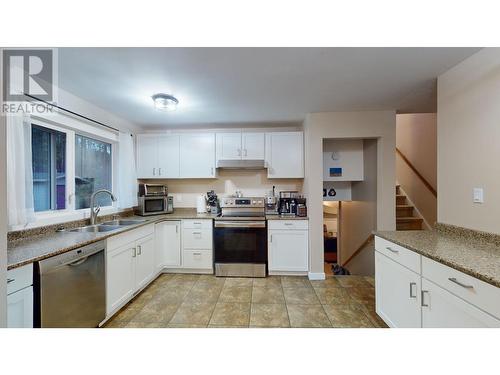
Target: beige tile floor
point(178, 301)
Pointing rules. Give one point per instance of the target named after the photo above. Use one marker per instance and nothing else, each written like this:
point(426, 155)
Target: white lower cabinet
point(197, 245)
point(130, 265)
point(20, 297)
point(397, 291)
point(145, 258)
point(20, 308)
point(441, 309)
point(167, 244)
point(288, 246)
point(436, 296)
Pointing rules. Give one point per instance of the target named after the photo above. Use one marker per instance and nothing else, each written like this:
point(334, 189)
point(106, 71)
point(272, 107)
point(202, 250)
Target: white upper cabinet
point(157, 156)
point(168, 156)
point(147, 156)
point(285, 154)
point(240, 146)
point(252, 146)
point(228, 146)
point(197, 156)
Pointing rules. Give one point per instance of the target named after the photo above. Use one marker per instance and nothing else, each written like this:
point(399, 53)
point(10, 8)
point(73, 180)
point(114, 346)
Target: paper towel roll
point(201, 204)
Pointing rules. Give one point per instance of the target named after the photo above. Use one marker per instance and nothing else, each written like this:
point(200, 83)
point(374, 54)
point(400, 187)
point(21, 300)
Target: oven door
point(240, 242)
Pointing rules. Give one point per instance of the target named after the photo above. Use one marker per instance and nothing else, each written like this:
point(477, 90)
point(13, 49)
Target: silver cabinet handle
point(176, 229)
point(422, 295)
point(196, 223)
point(212, 171)
point(159, 171)
point(411, 290)
point(393, 250)
point(135, 253)
point(454, 280)
point(271, 238)
point(197, 233)
point(196, 253)
point(154, 171)
point(139, 250)
point(288, 223)
point(10, 281)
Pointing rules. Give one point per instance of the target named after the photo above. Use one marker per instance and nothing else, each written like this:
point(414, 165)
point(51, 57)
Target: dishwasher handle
point(72, 258)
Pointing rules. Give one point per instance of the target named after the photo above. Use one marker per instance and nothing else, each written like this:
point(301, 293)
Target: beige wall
point(469, 142)
point(359, 217)
point(416, 137)
point(251, 183)
point(369, 124)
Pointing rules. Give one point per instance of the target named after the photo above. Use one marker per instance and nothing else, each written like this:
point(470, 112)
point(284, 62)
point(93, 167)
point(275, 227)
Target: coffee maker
point(271, 203)
point(288, 203)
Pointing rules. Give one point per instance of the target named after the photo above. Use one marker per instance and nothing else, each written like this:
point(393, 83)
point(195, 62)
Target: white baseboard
point(316, 276)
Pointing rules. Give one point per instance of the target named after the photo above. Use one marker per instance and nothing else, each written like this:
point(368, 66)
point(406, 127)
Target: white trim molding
point(316, 276)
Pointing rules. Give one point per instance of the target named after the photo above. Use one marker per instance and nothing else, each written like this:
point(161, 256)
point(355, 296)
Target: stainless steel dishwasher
point(72, 288)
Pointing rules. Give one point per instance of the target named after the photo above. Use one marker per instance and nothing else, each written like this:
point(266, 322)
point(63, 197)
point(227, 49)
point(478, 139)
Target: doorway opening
point(349, 205)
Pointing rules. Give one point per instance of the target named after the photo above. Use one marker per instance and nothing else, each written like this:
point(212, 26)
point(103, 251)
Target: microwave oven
point(155, 205)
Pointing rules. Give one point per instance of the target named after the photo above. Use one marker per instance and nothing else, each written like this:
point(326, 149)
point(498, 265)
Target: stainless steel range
point(240, 238)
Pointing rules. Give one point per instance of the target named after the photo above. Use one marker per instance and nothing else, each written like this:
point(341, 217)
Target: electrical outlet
point(477, 195)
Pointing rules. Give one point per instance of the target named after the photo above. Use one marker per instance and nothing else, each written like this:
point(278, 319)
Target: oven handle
point(240, 224)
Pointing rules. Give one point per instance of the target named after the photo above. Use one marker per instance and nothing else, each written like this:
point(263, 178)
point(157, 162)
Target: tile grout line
point(216, 302)
point(182, 301)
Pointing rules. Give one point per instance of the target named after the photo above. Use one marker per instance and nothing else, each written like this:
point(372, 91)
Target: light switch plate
point(477, 195)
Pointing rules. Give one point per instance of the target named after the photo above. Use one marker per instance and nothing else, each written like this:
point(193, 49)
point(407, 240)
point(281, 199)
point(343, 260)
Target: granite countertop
point(34, 248)
point(474, 253)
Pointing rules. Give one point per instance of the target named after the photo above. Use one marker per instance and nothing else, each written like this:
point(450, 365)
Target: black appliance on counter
point(291, 203)
point(213, 202)
point(240, 238)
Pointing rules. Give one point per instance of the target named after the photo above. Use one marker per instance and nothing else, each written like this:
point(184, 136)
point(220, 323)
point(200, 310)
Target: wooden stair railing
point(422, 178)
point(358, 250)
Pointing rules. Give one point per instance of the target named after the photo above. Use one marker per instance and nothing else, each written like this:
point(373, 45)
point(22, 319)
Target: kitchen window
point(93, 171)
point(49, 168)
point(69, 163)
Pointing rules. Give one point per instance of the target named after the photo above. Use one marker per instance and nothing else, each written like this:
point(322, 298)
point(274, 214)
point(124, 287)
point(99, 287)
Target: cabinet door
point(120, 276)
point(168, 156)
point(197, 155)
point(20, 309)
point(397, 293)
point(147, 156)
point(441, 309)
point(288, 250)
point(145, 261)
point(228, 146)
point(168, 244)
point(285, 155)
point(253, 146)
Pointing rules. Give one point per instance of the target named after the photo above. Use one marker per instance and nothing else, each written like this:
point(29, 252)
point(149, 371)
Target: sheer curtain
point(20, 205)
point(127, 176)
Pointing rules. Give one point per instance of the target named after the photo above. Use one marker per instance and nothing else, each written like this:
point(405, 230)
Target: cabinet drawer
point(399, 254)
point(19, 278)
point(197, 224)
point(472, 290)
point(123, 239)
point(198, 259)
point(197, 239)
point(288, 224)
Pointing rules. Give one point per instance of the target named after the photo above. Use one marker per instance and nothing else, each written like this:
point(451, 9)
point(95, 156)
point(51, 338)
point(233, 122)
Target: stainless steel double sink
point(107, 226)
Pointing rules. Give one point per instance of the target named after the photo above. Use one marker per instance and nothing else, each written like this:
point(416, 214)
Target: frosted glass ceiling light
point(165, 102)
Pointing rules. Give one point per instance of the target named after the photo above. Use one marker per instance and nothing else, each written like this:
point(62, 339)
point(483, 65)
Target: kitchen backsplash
point(250, 182)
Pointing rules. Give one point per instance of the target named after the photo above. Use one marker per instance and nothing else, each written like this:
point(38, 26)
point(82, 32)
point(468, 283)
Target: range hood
point(241, 164)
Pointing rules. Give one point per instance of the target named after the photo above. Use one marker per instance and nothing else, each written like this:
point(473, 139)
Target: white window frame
point(71, 126)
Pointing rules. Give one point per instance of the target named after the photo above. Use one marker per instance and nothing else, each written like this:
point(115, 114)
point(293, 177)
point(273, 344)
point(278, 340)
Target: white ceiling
point(254, 85)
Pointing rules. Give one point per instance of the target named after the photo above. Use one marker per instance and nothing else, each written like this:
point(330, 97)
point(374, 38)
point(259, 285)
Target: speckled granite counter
point(474, 253)
point(28, 250)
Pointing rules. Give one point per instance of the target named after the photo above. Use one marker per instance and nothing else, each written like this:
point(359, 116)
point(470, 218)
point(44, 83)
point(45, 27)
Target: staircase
point(405, 219)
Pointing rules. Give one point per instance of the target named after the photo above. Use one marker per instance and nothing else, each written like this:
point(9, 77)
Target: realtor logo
point(28, 72)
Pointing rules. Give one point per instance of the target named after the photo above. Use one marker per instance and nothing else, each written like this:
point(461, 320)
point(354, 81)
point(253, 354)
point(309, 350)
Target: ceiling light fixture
point(165, 102)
